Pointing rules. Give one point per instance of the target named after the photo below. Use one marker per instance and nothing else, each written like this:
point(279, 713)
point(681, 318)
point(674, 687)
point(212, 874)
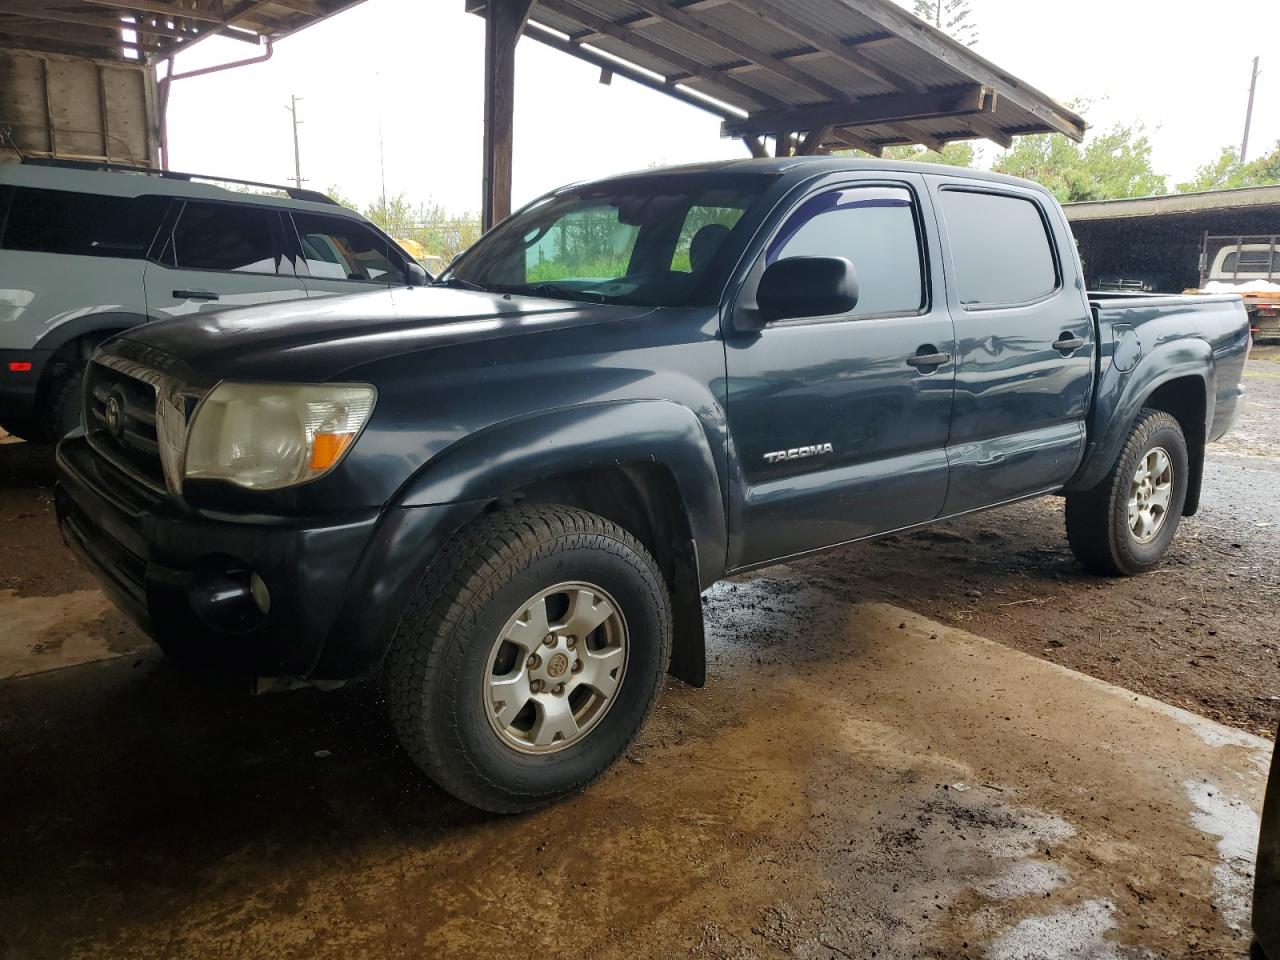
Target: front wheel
point(1124, 525)
point(529, 656)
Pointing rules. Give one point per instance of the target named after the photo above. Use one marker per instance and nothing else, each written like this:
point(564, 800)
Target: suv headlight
point(268, 435)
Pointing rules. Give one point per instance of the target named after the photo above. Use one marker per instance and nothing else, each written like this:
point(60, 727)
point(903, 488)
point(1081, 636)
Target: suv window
point(875, 228)
point(223, 236)
point(82, 224)
point(339, 249)
point(1000, 247)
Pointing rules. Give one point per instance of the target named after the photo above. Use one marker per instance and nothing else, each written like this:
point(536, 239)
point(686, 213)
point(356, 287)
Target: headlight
point(264, 435)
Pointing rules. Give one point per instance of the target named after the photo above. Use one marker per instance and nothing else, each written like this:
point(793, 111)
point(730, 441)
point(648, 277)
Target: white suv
point(88, 251)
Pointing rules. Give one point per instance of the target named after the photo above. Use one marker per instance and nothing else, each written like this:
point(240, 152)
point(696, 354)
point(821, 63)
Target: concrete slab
point(855, 781)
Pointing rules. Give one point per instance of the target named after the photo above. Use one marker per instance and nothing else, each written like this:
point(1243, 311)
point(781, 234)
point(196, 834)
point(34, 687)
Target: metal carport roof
point(148, 31)
point(860, 73)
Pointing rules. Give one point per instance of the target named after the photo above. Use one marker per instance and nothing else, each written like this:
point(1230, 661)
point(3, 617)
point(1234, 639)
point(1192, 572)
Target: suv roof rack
point(293, 193)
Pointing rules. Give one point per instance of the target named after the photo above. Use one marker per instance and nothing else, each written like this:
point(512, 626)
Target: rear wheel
point(63, 398)
point(1125, 524)
point(529, 656)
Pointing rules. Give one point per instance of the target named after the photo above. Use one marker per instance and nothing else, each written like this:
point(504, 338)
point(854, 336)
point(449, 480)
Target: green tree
point(949, 16)
point(1228, 172)
point(335, 194)
point(440, 232)
point(1109, 166)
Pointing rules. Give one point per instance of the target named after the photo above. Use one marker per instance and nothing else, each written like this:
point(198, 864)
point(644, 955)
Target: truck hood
point(316, 340)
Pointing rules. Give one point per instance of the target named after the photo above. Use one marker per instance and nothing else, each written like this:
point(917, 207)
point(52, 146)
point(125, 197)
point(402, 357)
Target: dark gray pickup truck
point(504, 493)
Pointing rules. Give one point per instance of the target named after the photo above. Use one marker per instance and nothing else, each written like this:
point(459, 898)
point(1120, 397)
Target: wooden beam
point(813, 142)
point(170, 10)
point(983, 126)
point(100, 21)
point(553, 39)
point(782, 145)
point(680, 16)
point(913, 134)
point(757, 147)
point(873, 110)
point(893, 19)
point(850, 139)
point(503, 23)
point(108, 47)
point(776, 15)
point(691, 67)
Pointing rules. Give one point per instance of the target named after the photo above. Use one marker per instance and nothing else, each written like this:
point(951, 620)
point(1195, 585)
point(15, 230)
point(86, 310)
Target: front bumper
point(1266, 897)
point(337, 584)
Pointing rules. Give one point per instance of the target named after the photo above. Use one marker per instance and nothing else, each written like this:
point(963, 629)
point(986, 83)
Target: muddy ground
point(1201, 633)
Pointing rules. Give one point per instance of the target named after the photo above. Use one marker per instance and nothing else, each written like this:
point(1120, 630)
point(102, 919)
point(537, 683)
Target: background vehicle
point(1249, 266)
point(86, 252)
point(508, 490)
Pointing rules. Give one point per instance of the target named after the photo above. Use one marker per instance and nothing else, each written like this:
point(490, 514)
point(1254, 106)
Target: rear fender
point(1121, 396)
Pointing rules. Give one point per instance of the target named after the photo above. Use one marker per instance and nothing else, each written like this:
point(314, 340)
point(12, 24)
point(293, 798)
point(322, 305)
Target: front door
point(1024, 332)
point(840, 423)
point(218, 255)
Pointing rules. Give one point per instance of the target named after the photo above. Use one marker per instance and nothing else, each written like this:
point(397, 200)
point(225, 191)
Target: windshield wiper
point(460, 284)
point(566, 293)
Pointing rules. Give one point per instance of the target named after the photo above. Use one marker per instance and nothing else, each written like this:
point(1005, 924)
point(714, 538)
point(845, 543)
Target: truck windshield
point(649, 241)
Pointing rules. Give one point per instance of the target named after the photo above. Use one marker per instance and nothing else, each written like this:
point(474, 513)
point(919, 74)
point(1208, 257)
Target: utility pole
point(1248, 116)
point(297, 158)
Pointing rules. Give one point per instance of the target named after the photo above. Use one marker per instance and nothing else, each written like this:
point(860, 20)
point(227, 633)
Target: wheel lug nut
point(549, 639)
point(571, 642)
point(577, 666)
point(534, 662)
point(558, 689)
point(536, 686)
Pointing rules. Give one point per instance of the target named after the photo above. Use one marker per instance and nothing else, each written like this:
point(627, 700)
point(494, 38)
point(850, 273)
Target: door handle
point(922, 360)
point(194, 295)
point(1066, 343)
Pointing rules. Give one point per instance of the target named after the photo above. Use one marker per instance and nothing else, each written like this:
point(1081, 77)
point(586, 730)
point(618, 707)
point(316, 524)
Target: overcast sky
point(414, 67)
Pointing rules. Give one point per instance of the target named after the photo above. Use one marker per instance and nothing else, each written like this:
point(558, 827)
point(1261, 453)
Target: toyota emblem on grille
point(114, 416)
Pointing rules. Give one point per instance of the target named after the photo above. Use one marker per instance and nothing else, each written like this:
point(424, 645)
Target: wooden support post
point(782, 144)
point(756, 146)
point(504, 22)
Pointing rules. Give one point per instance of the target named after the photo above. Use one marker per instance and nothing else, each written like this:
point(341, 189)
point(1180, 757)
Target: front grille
point(120, 420)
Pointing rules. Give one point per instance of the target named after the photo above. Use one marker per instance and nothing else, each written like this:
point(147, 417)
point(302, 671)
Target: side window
point(875, 228)
point(223, 236)
point(339, 249)
point(704, 230)
point(1000, 247)
point(81, 224)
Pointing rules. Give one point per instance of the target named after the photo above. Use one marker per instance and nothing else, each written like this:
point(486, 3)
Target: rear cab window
point(874, 227)
point(1000, 248)
point(80, 224)
point(225, 237)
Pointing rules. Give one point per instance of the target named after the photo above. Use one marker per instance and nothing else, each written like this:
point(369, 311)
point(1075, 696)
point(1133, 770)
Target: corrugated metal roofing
point(878, 75)
point(145, 31)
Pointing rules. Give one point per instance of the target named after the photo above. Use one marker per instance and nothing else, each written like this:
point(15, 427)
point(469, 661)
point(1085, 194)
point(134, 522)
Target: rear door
point(1024, 343)
point(839, 423)
point(212, 256)
point(336, 255)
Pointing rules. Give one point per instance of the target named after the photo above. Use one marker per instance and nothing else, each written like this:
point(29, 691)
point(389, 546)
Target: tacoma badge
point(799, 453)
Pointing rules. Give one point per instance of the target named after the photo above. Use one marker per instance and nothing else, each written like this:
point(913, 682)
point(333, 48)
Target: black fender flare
point(516, 453)
point(1121, 396)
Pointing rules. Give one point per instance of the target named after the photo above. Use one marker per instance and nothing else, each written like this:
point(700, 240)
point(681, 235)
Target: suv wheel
point(1125, 524)
point(529, 656)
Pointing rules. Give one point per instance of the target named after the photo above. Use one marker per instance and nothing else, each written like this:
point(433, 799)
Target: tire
point(62, 400)
point(1099, 526)
point(453, 643)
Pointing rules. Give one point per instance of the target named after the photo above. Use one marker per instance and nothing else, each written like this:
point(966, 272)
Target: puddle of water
point(1236, 826)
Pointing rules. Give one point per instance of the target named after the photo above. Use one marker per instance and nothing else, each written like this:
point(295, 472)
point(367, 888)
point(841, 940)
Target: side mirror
point(807, 287)
point(415, 275)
